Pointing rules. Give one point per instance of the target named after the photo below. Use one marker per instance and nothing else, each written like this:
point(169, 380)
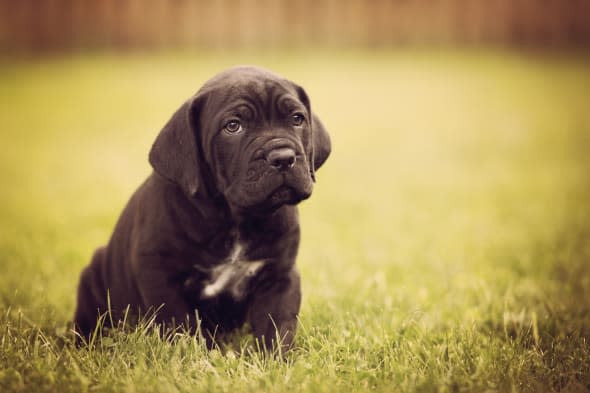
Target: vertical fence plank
point(64, 24)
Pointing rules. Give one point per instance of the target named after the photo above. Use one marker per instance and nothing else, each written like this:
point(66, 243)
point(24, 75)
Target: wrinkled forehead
point(249, 86)
point(262, 95)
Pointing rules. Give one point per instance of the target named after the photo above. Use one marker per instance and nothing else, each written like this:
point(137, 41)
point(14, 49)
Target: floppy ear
point(322, 146)
point(175, 154)
point(320, 139)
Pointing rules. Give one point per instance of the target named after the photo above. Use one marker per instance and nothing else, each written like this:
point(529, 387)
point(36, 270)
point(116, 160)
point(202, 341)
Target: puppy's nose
point(282, 158)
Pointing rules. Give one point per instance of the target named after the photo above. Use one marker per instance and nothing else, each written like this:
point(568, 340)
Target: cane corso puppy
point(210, 238)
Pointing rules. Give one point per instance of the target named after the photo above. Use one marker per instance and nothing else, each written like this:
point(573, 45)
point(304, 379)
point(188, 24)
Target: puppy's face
point(257, 139)
point(248, 134)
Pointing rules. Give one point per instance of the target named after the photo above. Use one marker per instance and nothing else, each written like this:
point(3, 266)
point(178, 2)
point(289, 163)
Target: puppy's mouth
point(285, 195)
point(270, 193)
point(271, 181)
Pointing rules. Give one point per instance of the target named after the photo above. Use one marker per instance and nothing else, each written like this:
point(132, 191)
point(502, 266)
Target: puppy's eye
point(297, 119)
point(233, 127)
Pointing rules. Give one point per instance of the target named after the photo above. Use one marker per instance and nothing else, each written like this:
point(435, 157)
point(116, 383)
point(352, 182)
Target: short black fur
point(214, 230)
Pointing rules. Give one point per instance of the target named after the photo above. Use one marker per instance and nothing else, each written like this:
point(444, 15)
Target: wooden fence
point(33, 25)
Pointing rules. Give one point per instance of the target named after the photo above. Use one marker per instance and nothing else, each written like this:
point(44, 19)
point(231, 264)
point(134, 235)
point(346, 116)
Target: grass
point(446, 247)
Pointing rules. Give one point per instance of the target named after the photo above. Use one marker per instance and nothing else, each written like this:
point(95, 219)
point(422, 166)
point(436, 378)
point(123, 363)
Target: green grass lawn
point(446, 246)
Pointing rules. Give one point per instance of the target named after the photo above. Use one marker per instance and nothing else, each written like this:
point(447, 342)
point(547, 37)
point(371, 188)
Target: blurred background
point(58, 25)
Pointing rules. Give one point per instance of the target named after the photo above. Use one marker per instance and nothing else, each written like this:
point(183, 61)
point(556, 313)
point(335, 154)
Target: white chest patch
point(232, 276)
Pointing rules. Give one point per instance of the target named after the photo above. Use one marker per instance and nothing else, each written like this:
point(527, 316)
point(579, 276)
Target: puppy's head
point(248, 135)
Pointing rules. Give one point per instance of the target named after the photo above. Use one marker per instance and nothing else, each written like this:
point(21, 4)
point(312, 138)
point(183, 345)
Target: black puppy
point(214, 230)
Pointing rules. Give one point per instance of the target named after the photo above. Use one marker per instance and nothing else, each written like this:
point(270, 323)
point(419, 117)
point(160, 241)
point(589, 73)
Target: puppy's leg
point(164, 297)
point(274, 311)
point(91, 295)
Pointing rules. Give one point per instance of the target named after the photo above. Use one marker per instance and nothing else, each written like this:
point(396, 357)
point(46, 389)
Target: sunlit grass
point(446, 247)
